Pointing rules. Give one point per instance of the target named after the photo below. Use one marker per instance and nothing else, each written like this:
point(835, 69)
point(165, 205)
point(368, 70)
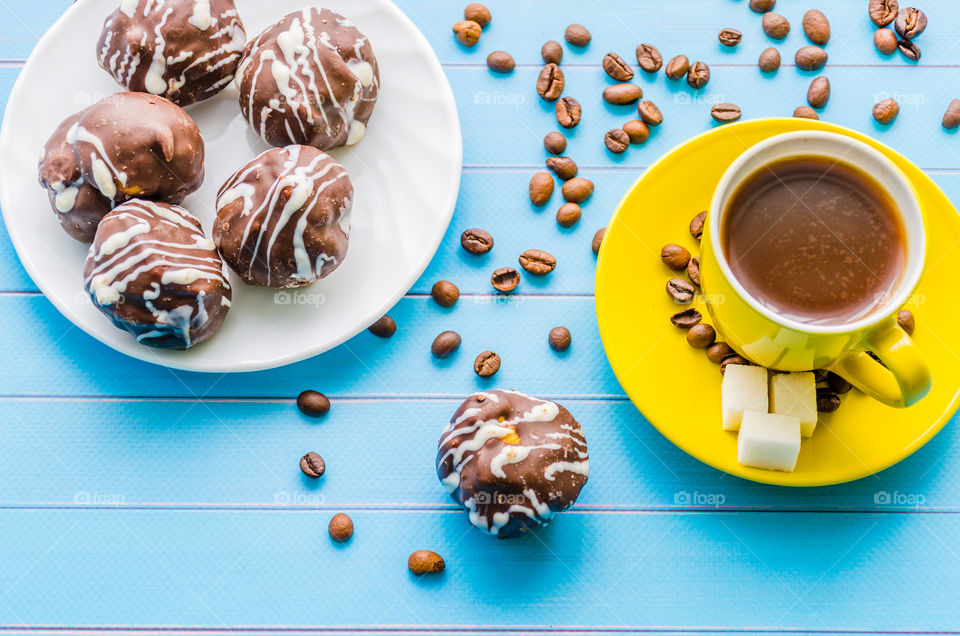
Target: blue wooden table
point(134, 498)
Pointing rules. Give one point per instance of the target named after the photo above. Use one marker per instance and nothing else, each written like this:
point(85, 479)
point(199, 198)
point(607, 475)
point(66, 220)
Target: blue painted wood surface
point(135, 498)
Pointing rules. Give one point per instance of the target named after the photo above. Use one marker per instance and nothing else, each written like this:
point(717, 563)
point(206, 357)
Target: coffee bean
point(732, 360)
point(837, 383)
point(820, 376)
point(554, 143)
point(340, 528)
point(637, 131)
point(682, 291)
point(819, 92)
point(617, 68)
point(425, 562)
point(649, 58)
point(951, 118)
point(906, 321)
point(827, 400)
point(616, 141)
point(551, 52)
point(649, 113)
point(883, 12)
point(486, 364)
point(445, 293)
point(698, 75)
point(500, 62)
point(541, 188)
point(312, 465)
point(476, 241)
point(730, 37)
point(550, 82)
point(577, 190)
point(886, 111)
point(598, 240)
point(816, 27)
point(810, 58)
point(478, 13)
point(769, 60)
point(910, 23)
point(762, 6)
point(577, 35)
point(693, 271)
point(909, 49)
point(537, 262)
point(725, 112)
point(621, 94)
point(719, 351)
point(568, 214)
point(677, 67)
point(313, 403)
point(696, 225)
point(701, 336)
point(568, 112)
point(505, 279)
point(805, 112)
point(675, 256)
point(564, 167)
point(445, 344)
point(559, 339)
point(885, 40)
point(467, 32)
point(687, 318)
point(775, 26)
point(384, 328)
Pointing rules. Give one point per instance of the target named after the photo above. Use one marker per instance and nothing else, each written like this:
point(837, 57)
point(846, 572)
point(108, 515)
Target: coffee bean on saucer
point(693, 271)
point(649, 58)
point(762, 6)
point(312, 465)
point(816, 27)
point(649, 113)
point(313, 403)
point(951, 118)
point(819, 92)
point(551, 52)
point(445, 293)
point(598, 240)
point(555, 143)
point(384, 328)
point(698, 75)
point(476, 241)
point(500, 62)
point(622, 94)
point(681, 290)
point(837, 383)
point(559, 339)
point(886, 111)
point(909, 50)
point(696, 225)
point(906, 321)
point(701, 336)
point(810, 58)
point(340, 528)
point(505, 279)
point(478, 13)
point(805, 112)
point(425, 562)
point(550, 82)
point(910, 23)
point(617, 68)
point(568, 214)
point(467, 32)
point(577, 190)
point(686, 318)
point(719, 351)
point(616, 141)
point(445, 344)
point(538, 262)
point(675, 256)
point(731, 360)
point(564, 167)
point(775, 26)
point(568, 112)
point(827, 400)
point(883, 12)
point(637, 131)
point(677, 67)
point(486, 364)
point(725, 112)
point(730, 37)
point(885, 40)
point(541, 188)
point(577, 35)
point(769, 60)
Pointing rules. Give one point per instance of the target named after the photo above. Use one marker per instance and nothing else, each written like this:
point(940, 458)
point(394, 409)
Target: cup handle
point(904, 380)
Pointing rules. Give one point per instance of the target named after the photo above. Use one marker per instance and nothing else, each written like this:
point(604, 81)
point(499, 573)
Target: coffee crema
point(815, 239)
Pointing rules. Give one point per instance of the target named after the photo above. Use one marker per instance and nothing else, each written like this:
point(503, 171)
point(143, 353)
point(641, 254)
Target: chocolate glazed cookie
point(311, 78)
point(512, 461)
point(283, 220)
point(184, 50)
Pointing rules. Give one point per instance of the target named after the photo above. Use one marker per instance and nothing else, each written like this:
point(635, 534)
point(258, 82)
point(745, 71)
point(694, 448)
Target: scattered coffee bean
point(445, 344)
point(681, 290)
point(649, 58)
point(340, 528)
point(693, 270)
point(637, 131)
point(719, 351)
point(698, 75)
point(762, 6)
point(805, 112)
point(564, 167)
point(696, 225)
point(909, 50)
point(730, 37)
point(883, 12)
point(537, 262)
point(725, 112)
point(551, 52)
point(577, 190)
point(910, 23)
point(810, 58)
point(476, 241)
point(816, 27)
point(687, 318)
point(478, 13)
point(769, 60)
point(554, 143)
point(649, 113)
point(313, 403)
point(827, 400)
point(312, 465)
point(731, 360)
point(486, 364)
point(384, 328)
point(577, 35)
point(701, 336)
point(819, 92)
point(505, 279)
point(951, 118)
point(541, 188)
point(617, 68)
point(425, 562)
point(568, 214)
point(886, 111)
point(445, 293)
point(568, 112)
point(775, 26)
point(820, 376)
point(598, 240)
point(467, 32)
point(675, 256)
point(550, 82)
point(616, 141)
point(885, 40)
point(622, 94)
point(906, 321)
point(500, 62)
point(677, 67)
point(837, 383)
point(559, 339)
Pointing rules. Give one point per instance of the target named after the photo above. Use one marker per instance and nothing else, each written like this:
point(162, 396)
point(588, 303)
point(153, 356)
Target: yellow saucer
point(678, 389)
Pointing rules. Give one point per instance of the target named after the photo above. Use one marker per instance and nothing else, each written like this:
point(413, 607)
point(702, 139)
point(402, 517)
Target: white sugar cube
point(795, 394)
point(744, 388)
point(769, 441)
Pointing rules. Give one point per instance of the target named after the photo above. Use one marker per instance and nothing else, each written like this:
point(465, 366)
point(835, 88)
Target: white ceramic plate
point(406, 172)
